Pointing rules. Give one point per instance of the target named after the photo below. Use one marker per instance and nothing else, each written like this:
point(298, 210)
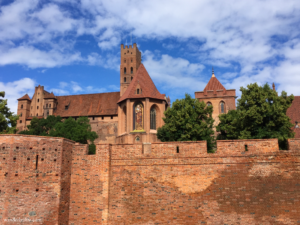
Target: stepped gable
point(293, 113)
point(49, 96)
point(148, 88)
point(214, 85)
point(25, 97)
point(87, 105)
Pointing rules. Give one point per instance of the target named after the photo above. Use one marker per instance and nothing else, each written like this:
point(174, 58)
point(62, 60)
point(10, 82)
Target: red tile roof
point(25, 97)
point(49, 96)
point(294, 113)
point(214, 85)
point(146, 86)
point(87, 104)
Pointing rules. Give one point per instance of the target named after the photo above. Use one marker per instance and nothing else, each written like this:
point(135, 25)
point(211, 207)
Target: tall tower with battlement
point(131, 58)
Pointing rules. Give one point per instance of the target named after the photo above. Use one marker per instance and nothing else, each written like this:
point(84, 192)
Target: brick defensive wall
point(158, 183)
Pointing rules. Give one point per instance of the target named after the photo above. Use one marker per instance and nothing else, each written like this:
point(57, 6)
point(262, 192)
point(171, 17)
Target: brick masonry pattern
point(158, 183)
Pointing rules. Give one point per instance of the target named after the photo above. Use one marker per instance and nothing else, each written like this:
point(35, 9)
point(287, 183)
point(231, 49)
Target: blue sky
point(73, 46)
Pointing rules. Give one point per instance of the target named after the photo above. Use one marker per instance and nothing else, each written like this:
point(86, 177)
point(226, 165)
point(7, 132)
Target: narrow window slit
point(246, 148)
point(36, 162)
point(177, 149)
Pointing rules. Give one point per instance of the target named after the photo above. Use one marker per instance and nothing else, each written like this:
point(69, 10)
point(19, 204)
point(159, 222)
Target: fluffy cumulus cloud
point(257, 41)
point(177, 73)
point(16, 89)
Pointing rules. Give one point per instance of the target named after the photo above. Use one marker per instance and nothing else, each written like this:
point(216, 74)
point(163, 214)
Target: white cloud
point(174, 74)
point(57, 91)
point(257, 40)
point(75, 87)
point(17, 89)
point(113, 88)
point(35, 58)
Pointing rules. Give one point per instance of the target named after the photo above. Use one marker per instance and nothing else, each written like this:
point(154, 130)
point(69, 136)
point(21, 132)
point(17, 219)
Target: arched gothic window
point(125, 70)
point(21, 106)
point(47, 112)
point(49, 105)
point(222, 107)
point(124, 79)
point(125, 119)
point(131, 70)
point(153, 118)
point(38, 100)
point(208, 103)
point(138, 121)
point(131, 78)
point(46, 105)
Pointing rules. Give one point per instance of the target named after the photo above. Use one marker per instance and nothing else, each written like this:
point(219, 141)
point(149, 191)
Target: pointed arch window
point(208, 103)
point(138, 119)
point(131, 70)
point(21, 106)
point(125, 70)
point(124, 79)
point(153, 118)
point(222, 107)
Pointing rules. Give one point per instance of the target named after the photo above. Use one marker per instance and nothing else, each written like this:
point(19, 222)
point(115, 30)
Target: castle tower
point(23, 111)
point(131, 59)
point(218, 96)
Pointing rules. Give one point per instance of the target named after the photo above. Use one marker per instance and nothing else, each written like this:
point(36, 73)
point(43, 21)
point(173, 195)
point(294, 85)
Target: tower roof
point(143, 81)
point(25, 97)
point(214, 84)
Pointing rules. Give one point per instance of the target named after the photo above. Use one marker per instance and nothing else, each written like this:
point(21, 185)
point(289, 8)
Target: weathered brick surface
point(90, 185)
point(294, 144)
point(247, 145)
point(150, 184)
point(35, 190)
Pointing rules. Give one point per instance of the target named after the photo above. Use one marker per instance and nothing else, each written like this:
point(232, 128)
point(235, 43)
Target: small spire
point(273, 87)
point(213, 73)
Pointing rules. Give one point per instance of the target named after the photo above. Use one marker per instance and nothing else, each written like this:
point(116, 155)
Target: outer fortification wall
point(158, 183)
point(35, 179)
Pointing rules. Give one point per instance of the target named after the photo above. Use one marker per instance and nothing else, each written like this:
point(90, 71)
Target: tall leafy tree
point(42, 126)
point(79, 130)
point(260, 114)
point(8, 120)
point(188, 120)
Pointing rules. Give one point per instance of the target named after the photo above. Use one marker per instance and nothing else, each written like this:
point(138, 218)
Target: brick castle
point(131, 115)
point(135, 179)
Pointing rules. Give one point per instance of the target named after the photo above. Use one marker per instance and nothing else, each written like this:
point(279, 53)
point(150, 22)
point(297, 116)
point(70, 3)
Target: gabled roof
point(146, 86)
point(25, 97)
point(87, 104)
point(214, 85)
point(293, 113)
point(49, 96)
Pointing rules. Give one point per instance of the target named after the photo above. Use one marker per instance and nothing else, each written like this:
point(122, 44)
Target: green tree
point(42, 126)
point(8, 120)
point(188, 120)
point(260, 114)
point(79, 130)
